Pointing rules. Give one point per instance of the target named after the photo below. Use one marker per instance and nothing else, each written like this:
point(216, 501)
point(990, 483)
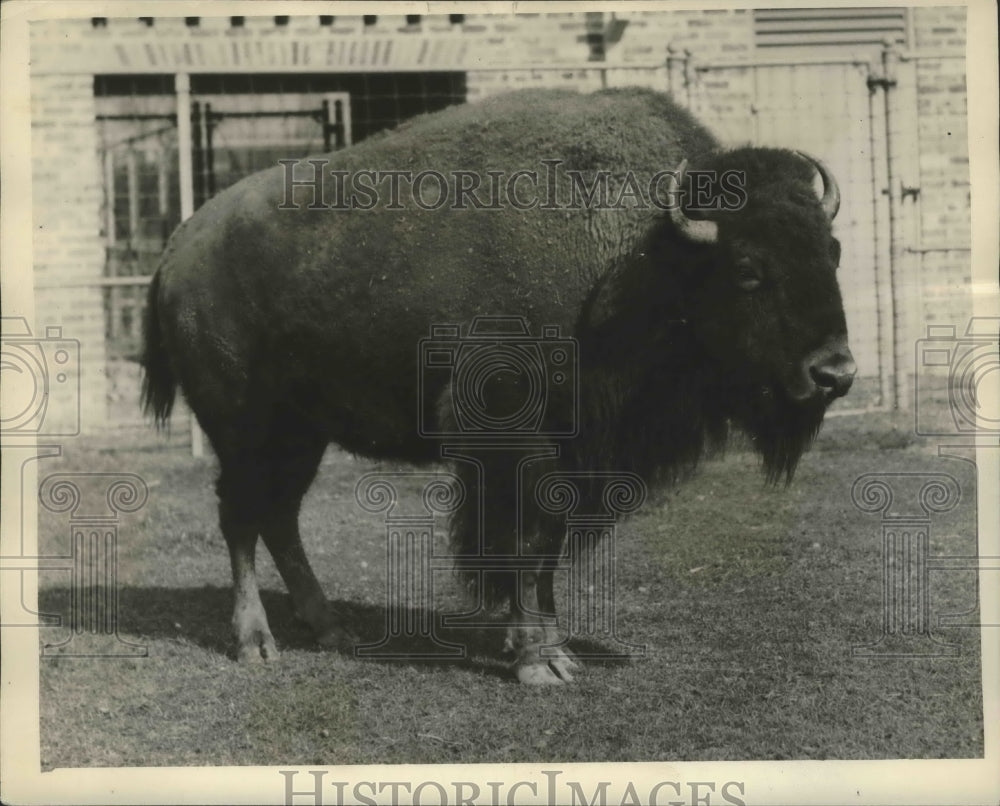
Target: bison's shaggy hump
point(584, 130)
point(388, 274)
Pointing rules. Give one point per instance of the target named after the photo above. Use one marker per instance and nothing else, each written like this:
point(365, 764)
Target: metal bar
point(898, 366)
point(109, 195)
point(342, 109)
point(182, 85)
point(182, 88)
point(137, 116)
point(689, 78)
point(789, 62)
point(324, 122)
point(919, 55)
point(162, 191)
point(918, 201)
point(883, 375)
point(923, 250)
point(132, 175)
point(139, 137)
point(673, 66)
point(290, 113)
point(209, 152)
point(904, 90)
point(102, 282)
point(494, 68)
point(197, 157)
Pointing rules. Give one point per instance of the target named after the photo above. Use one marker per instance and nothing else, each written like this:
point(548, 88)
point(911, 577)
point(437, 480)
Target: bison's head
point(767, 310)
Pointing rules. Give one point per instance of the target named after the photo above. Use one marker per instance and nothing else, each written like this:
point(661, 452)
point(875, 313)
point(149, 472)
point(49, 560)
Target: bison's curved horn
point(695, 231)
point(831, 192)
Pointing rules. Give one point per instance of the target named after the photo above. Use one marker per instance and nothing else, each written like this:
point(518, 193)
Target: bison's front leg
point(532, 634)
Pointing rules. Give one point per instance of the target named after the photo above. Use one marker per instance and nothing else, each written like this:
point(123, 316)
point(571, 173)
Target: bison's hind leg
point(240, 489)
point(265, 471)
point(293, 453)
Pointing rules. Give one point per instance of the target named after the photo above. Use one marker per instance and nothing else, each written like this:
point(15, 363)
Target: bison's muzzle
point(831, 369)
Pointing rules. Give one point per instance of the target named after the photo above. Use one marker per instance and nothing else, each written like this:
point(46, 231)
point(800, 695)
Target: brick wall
point(637, 40)
point(67, 243)
point(943, 155)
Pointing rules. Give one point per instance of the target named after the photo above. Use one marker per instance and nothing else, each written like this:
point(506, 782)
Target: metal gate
point(239, 134)
point(232, 136)
point(141, 208)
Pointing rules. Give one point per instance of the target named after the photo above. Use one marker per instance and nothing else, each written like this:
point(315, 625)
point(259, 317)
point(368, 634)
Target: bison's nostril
point(835, 379)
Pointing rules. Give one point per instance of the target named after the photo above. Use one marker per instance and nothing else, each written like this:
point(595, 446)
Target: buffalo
point(291, 308)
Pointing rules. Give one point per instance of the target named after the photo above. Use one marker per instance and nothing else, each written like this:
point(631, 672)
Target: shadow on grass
point(201, 616)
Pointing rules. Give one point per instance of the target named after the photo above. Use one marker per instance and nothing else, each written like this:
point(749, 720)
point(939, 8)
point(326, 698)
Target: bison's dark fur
point(288, 330)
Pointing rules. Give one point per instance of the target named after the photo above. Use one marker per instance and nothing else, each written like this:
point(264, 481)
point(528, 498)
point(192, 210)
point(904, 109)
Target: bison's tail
point(159, 386)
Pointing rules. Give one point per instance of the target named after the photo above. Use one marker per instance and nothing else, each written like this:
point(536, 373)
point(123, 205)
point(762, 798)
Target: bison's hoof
point(554, 670)
point(562, 659)
point(543, 674)
point(258, 648)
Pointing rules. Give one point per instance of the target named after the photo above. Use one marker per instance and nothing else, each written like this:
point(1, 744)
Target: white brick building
point(104, 145)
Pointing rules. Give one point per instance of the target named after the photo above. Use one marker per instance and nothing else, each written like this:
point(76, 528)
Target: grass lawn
point(747, 599)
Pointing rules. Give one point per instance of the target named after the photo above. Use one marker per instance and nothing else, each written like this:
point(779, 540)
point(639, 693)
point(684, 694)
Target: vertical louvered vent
point(776, 28)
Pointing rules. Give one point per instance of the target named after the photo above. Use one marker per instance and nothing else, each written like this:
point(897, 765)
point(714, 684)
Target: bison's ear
point(835, 251)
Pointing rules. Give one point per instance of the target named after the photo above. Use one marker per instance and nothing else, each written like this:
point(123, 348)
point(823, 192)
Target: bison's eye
point(747, 275)
point(835, 251)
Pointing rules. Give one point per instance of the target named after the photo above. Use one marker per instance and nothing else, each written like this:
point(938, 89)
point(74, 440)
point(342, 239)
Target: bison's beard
point(780, 429)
